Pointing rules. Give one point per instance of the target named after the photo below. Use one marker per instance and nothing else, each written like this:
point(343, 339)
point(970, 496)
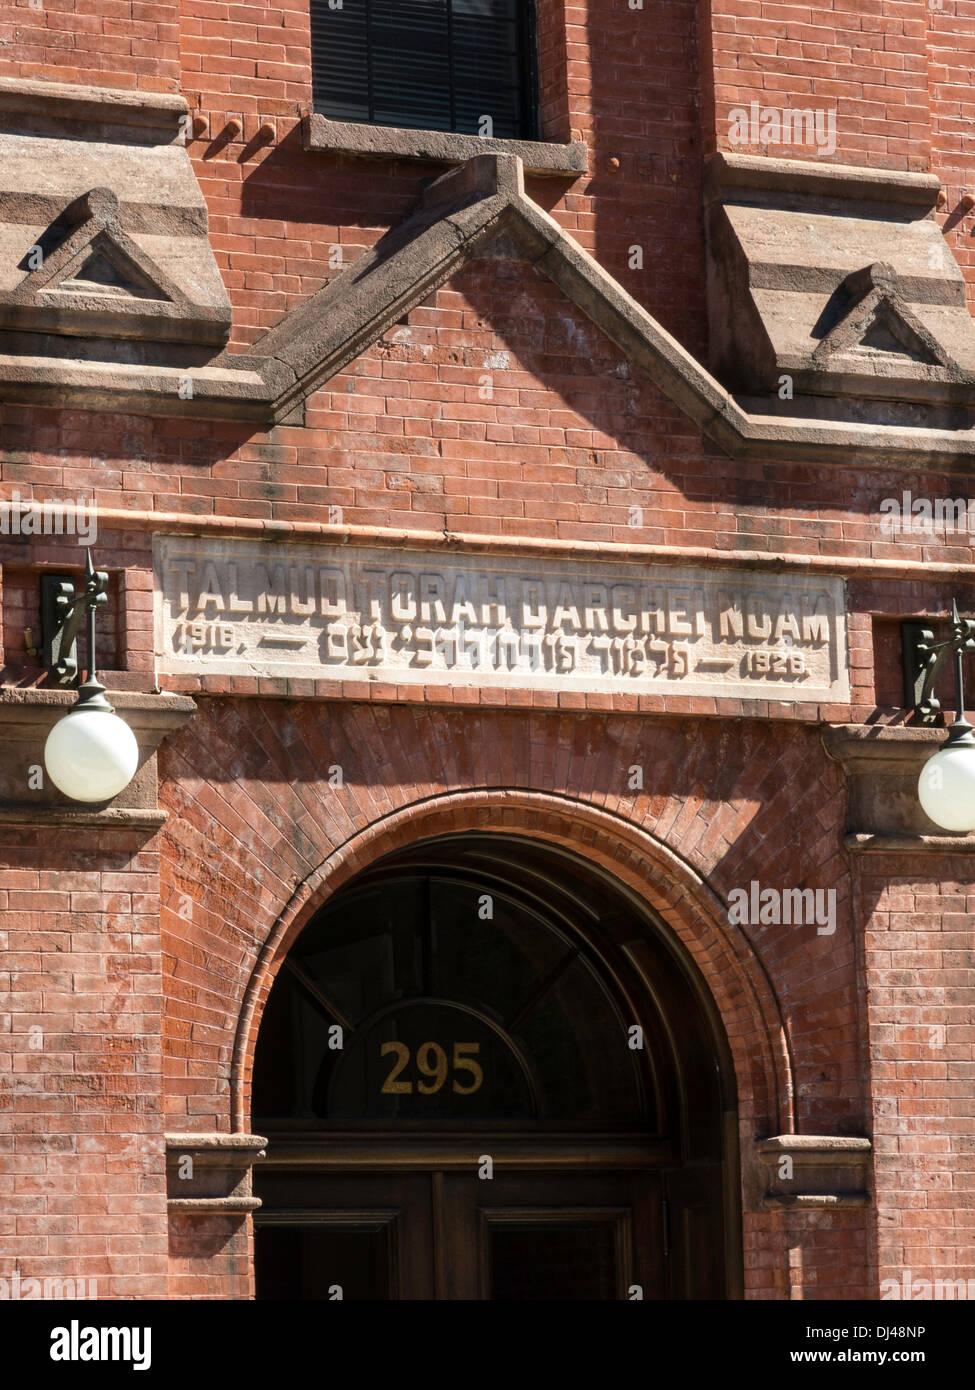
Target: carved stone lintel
point(819, 1172)
point(210, 1174)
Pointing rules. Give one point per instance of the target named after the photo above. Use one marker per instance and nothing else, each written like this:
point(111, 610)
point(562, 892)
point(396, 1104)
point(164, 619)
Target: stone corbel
point(26, 717)
point(813, 1172)
point(210, 1174)
point(882, 764)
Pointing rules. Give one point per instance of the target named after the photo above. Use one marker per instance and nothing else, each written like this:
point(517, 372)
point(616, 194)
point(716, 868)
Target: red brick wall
point(107, 43)
point(82, 1172)
point(626, 81)
point(254, 819)
point(124, 651)
point(917, 920)
point(865, 59)
point(569, 440)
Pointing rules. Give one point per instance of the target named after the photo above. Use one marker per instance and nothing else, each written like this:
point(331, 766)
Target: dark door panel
point(553, 1236)
point(695, 1218)
point(370, 1238)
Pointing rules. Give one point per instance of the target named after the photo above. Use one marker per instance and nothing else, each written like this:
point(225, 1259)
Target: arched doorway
point(485, 1071)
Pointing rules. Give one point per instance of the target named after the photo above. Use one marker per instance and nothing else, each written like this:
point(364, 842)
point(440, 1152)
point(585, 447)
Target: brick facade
point(135, 960)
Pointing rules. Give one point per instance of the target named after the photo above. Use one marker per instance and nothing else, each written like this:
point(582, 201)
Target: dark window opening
point(452, 65)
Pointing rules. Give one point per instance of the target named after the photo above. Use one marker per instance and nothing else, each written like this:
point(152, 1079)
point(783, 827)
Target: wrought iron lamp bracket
point(923, 659)
point(63, 610)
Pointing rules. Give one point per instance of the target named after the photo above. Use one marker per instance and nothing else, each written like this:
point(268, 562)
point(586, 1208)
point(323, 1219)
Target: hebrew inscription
point(412, 617)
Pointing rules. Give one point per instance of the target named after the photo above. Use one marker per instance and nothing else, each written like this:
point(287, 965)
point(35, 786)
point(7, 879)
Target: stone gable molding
point(460, 215)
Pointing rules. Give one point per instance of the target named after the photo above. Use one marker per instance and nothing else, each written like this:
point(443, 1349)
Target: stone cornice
point(27, 102)
point(812, 178)
point(29, 706)
point(882, 764)
point(210, 1174)
point(892, 749)
point(218, 1147)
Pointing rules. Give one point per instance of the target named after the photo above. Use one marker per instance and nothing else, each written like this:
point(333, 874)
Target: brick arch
point(679, 897)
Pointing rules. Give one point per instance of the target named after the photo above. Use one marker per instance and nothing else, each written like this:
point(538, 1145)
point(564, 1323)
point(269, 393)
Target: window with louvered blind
point(452, 65)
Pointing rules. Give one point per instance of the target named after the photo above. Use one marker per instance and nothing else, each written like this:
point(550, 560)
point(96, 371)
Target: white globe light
point(946, 786)
point(91, 754)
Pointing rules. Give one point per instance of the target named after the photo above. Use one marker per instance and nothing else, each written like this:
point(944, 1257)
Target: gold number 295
point(431, 1063)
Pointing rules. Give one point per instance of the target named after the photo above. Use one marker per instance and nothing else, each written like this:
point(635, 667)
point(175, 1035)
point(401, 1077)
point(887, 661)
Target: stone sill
point(479, 697)
point(910, 844)
point(815, 1148)
point(213, 1206)
point(809, 1201)
point(541, 157)
point(226, 1146)
point(113, 817)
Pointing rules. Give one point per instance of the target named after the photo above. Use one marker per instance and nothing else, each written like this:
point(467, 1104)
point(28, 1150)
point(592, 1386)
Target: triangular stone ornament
point(97, 257)
point(108, 270)
point(87, 276)
point(893, 339)
point(876, 319)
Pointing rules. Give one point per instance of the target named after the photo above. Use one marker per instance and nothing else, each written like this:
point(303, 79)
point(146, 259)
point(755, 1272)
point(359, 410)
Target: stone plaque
point(413, 617)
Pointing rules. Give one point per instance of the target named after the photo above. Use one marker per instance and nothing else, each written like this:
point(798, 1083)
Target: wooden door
point(453, 1236)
